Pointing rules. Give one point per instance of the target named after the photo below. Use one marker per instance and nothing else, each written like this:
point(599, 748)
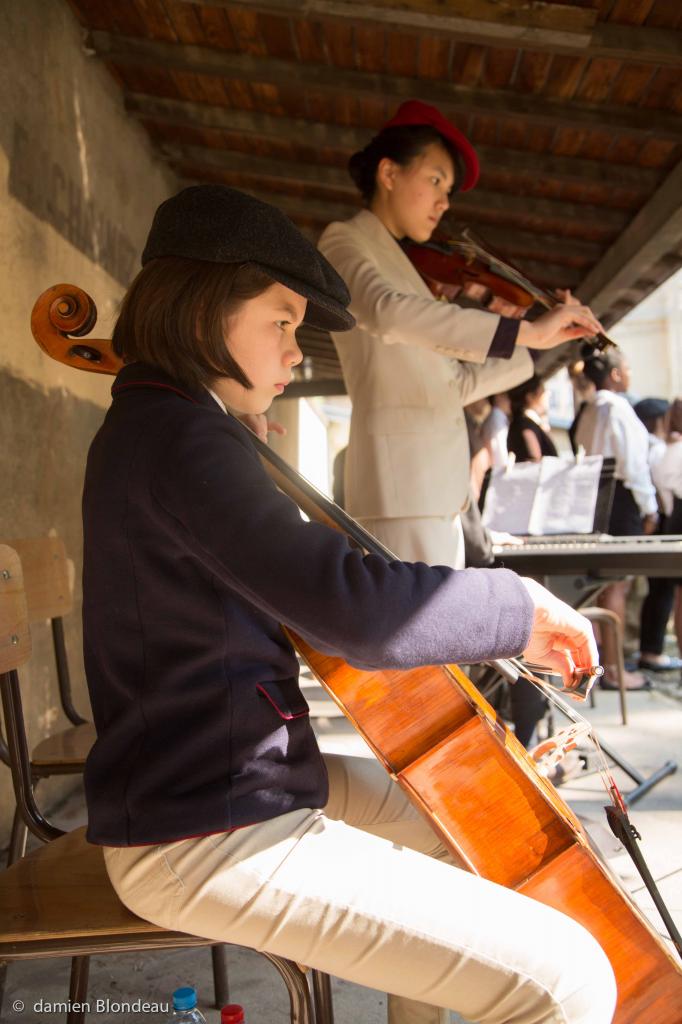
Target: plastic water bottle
point(185, 1007)
point(232, 1014)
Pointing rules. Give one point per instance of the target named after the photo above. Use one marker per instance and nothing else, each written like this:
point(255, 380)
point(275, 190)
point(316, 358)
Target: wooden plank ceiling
point(575, 109)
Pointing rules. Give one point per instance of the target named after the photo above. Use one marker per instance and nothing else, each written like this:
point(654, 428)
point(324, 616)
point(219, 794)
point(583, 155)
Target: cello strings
point(552, 693)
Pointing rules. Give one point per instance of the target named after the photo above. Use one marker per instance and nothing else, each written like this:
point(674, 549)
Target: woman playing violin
point(218, 814)
point(411, 363)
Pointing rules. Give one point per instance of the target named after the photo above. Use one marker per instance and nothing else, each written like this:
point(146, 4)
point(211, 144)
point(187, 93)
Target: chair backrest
point(47, 576)
point(48, 584)
point(15, 650)
point(15, 638)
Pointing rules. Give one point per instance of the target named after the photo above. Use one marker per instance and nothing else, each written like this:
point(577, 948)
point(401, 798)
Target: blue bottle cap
point(184, 999)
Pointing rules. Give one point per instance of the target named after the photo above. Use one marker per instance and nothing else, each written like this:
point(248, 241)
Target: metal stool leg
point(17, 843)
point(78, 989)
point(221, 985)
point(322, 997)
point(299, 993)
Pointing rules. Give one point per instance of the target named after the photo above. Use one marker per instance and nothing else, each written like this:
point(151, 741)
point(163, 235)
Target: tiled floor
point(653, 736)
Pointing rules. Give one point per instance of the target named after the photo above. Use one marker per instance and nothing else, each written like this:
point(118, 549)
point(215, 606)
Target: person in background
point(338, 472)
point(412, 362)
point(609, 426)
point(475, 416)
point(658, 603)
point(496, 428)
point(528, 438)
point(667, 476)
point(583, 391)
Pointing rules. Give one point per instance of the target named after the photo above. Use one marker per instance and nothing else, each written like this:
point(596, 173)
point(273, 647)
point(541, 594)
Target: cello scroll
point(62, 313)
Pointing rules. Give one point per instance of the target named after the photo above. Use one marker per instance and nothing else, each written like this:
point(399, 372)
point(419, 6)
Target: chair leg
point(299, 993)
point(17, 843)
point(3, 981)
point(322, 998)
point(608, 620)
point(221, 985)
point(78, 989)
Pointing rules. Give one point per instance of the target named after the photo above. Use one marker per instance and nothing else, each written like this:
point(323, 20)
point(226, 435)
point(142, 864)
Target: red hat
point(416, 112)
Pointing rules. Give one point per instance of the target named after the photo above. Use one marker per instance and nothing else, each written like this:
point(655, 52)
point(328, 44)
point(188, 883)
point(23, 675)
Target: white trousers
point(436, 540)
point(364, 891)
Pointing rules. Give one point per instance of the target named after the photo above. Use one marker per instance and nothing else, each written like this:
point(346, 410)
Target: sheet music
point(555, 495)
point(510, 496)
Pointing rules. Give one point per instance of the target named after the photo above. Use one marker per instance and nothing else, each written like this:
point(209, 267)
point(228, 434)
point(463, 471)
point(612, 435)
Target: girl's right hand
point(563, 323)
point(561, 638)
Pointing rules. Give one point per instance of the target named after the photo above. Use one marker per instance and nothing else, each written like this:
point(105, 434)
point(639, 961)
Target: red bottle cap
point(232, 1014)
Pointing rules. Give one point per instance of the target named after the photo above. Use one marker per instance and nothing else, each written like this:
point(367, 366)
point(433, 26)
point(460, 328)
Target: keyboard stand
point(644, 783)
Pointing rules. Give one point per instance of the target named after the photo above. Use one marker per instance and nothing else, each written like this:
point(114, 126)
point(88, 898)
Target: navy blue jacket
point(192, 560)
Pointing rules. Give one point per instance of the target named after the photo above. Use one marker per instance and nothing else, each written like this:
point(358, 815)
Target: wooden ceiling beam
point(553, 247)
point(320, 211)
point(510, 244)
point(262, 166)
point(297, 173)
point(651, 237)
point(544, 27)
point(450, 98)
point(346, 140)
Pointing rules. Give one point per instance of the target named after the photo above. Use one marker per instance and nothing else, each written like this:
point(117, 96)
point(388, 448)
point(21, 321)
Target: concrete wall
point(78, 187)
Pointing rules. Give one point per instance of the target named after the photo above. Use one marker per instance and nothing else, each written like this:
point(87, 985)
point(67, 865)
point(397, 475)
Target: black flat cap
point(222, 225)
point(651, 408)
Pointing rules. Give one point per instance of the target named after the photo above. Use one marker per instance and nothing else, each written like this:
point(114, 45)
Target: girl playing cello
point(218, 814)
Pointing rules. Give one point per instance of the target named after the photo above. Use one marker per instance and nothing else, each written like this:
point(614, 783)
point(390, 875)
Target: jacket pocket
point(285, 697)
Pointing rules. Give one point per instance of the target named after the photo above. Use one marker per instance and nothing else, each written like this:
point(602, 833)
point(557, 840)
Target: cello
point(441, 741)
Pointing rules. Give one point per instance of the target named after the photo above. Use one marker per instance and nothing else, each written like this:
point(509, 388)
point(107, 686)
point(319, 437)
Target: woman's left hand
point(262, 426)
point(565, 322)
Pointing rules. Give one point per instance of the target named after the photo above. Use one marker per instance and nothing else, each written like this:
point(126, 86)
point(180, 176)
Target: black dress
point(516, 442)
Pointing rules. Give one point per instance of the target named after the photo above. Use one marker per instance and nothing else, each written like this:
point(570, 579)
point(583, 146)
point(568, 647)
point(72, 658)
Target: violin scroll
point(62, 313)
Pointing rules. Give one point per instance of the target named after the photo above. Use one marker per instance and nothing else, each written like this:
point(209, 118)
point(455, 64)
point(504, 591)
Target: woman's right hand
point(565, 322)
point(561, 639)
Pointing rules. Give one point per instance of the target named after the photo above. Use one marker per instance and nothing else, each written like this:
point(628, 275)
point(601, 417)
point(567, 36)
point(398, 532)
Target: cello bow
point(446, 746)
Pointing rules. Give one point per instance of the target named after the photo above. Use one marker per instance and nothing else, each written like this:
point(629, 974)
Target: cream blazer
point(410, 365)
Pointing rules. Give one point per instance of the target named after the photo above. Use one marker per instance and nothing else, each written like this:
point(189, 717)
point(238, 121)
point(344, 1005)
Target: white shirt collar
point(218, 400)
point(534, 416)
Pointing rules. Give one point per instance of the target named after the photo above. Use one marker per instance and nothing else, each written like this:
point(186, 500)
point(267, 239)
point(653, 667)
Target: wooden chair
point(58, 901)
point(48, 588)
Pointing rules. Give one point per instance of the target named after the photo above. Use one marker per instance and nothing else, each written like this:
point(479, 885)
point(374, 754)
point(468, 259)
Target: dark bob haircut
point(519, 394)
point(173, 317)
point(400, 143)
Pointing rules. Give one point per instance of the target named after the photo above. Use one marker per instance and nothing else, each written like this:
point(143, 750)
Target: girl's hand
point(262, 426)
point(566, 296)
point(561, 638)
point(563, 323)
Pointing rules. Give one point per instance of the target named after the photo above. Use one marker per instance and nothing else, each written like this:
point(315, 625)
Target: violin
point(449, 265)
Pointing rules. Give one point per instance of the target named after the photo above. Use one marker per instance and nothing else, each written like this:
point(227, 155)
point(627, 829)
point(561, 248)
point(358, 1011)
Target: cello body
point(443, 743)
point(479, 789)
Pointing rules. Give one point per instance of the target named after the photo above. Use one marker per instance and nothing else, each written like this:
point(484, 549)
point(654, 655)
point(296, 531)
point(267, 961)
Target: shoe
point(609, 684)
point(569, 767)
point(669, 664)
